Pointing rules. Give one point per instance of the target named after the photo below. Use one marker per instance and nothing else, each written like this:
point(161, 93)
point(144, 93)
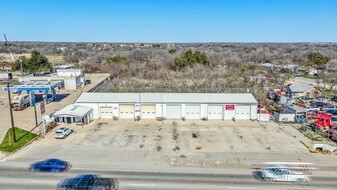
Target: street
point(16, 176)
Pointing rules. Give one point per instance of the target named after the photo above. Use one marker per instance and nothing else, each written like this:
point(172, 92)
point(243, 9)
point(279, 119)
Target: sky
point(169, 21)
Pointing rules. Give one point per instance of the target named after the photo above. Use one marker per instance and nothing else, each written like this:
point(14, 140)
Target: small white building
point(73, 78)
point(182, 106)
point(70, 72)
point(74, 114)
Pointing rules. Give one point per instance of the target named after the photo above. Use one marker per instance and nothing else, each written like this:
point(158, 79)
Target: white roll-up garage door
point(242, 112)
point(148, 111)
point(173, 112)
point(106, 112)
point(192, 112)
point(126, 111)
point(215, 111)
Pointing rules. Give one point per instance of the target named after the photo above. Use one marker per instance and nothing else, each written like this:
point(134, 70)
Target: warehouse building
point(198, 106)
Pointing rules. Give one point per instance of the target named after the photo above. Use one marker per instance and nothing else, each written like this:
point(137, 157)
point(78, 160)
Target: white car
point(274, 174)
point(62, 133)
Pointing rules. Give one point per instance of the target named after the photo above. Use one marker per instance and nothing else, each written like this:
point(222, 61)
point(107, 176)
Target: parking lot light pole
point(11, 111)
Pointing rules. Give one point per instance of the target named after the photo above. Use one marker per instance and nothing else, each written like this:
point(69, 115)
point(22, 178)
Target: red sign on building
point(230, 107)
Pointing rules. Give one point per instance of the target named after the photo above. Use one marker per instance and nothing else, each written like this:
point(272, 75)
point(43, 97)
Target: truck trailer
point(20, 102)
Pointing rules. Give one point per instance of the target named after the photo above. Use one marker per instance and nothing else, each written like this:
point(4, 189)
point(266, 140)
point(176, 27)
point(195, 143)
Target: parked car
point(332, 130)
point(323, 99)
point(334, 98)
point(87, 81)
point(88, 182)
point(331, 111)
point(327, 107)
point(310, 108)
point(50, 165)
point(318, 104)
point(62, 133)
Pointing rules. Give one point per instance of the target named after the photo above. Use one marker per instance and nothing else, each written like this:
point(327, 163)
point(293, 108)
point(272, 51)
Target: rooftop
point(300, 87)
point(68, 70)
point(240, 98)
point(297, 108)
point(73, 110)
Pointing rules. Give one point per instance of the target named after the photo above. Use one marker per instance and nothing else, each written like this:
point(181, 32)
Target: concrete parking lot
point(153, 144)
point(25, 119)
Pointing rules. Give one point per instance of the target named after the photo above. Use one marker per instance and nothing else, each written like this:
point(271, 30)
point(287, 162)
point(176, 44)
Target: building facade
point(181, 106)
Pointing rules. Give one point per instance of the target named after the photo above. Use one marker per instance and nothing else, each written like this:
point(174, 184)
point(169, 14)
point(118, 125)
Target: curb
point(10, 153)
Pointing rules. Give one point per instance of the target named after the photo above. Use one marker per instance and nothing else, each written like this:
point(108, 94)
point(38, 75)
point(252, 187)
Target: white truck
point(20, 102)
point(275, 174)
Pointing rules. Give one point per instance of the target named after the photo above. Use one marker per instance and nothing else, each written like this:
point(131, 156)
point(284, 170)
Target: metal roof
point(300, 87)
point(297, 109)
point(35, 85)
point(69, 70)
point(239, 98)
point(73, 110)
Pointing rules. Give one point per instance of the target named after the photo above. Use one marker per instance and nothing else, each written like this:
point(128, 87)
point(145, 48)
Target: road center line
point(43, 181)
point(240, 187)
point(144, 185)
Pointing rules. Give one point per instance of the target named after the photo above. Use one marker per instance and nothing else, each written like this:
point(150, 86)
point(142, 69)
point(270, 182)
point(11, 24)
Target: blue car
point(88, 182)
point(50, 165)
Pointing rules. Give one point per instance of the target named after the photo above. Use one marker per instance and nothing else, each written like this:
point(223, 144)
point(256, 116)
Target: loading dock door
point(215, 112)
point(242, 112)
point(126, 111)
point(148, 111)
point(192, 111)
point(173, 112)
point(106, 112)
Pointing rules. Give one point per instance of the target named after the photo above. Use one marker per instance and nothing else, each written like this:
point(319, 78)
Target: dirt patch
point(200, 163)
point(158, 138)
point(175, 135)
point(176, 148)
point(99, 125)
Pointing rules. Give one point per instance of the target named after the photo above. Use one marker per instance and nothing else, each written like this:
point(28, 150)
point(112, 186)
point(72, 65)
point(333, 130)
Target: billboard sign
point(230, 107)
point(42, 107)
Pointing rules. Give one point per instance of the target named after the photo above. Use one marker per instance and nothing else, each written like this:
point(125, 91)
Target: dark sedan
point(50, 165)
point(88, 182)
point(318, 104)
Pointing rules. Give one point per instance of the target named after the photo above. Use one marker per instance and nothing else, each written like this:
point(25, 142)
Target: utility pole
point(36, 124)
point(9, 48)
point(21, 67)
point(11, 111)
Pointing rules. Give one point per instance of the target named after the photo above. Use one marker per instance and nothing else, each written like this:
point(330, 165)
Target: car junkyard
point(310, 112)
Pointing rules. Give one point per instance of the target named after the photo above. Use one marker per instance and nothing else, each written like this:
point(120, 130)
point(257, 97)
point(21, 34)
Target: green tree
point(172, 51)
point(315, 60)
point(118, 59)
point(36, 64)
point(190, 58)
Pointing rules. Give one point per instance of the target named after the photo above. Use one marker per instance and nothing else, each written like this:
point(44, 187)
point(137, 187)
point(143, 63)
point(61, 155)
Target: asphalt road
point(13, 177)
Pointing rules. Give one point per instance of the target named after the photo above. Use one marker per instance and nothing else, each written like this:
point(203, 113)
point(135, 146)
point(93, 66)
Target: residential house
point(300, 89)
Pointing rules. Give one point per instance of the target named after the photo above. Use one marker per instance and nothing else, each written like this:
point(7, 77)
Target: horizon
point(111, 42)
point(145, 21)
